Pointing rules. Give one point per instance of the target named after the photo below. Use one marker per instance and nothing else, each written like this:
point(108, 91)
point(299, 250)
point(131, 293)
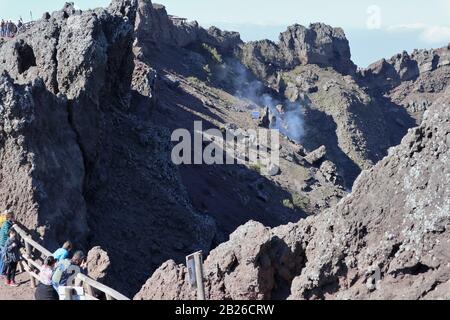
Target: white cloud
point(435, 34)
point(407, 27)
point(427, 33)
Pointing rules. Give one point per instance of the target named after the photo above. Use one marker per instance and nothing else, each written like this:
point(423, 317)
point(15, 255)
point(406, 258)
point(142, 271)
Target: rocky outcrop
point(387, 74)
point(78, 158)
point(156, 29)
point(254, 264)
point(319, 44)
point(392, 230)
point(98, 264)
point(169, 282)
point(390, 233)
point(316, 156)
point(41, 164)
point(341, 115)
point(413, 81)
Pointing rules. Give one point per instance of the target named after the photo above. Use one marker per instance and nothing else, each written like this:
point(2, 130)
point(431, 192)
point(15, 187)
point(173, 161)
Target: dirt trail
point(23, 292)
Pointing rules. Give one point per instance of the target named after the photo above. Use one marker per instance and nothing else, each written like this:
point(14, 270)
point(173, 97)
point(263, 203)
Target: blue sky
point(375, 28)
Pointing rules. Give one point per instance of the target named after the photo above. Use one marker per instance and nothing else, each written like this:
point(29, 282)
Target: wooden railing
point(34, 256)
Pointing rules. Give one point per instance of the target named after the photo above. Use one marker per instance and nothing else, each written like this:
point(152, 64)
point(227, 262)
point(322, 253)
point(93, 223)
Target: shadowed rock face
point(394, 228)
point(78, 160)
point(41, 163)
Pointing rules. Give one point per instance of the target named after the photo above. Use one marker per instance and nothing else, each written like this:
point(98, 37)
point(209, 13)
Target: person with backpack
point(4, 234)
point(12, 258)
point(45, 290)
point(63, 253)
point(67, 268)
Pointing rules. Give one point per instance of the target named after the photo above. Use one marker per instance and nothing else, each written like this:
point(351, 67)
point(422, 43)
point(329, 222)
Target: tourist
point(7, 29)
point(45, 290)
point(3, 217)
point(66, 268)
point(19, 25)
point(12, 29)
point(63, 253)
point(6, 226)
point(12, 258)
point(3, 28)
point(4, 232)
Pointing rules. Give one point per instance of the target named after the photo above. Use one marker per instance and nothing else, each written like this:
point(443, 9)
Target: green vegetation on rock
point(297, 202)
point(214, 54)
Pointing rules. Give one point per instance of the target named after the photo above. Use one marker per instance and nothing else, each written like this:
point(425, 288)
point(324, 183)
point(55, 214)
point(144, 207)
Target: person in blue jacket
point(63, 253)
point(4, 235)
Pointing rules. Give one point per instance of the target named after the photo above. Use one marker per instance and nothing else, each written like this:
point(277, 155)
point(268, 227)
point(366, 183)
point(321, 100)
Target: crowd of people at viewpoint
point(55, 271)
point(9, 29)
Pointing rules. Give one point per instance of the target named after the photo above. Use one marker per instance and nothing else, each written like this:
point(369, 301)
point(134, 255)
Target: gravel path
point(23, 292)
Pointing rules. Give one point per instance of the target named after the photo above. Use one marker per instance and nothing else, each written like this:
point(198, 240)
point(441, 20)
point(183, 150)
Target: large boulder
point(98, 264)
point(316, 156)
point(255, 264)
point(169, 282)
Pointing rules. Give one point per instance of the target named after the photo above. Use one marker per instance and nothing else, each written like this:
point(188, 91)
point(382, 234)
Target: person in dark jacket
point(12, 258)
point(3, 30)
point(45, 290)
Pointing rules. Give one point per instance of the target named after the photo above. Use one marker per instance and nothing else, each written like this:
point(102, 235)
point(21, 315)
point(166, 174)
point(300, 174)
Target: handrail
point(88, 282)
point(33, 243)
point(109, 292)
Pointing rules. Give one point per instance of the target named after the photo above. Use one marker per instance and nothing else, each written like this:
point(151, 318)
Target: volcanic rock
point(98, 264)
point(316, 156)
point(390, 232)
point(75, 155)
point(319, 44)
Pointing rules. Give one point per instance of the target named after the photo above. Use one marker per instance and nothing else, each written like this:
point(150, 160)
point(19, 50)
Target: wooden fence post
point(199, 275)
point(29, 253)
point(21, 268)
point(68, 293)
point(89, 290)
